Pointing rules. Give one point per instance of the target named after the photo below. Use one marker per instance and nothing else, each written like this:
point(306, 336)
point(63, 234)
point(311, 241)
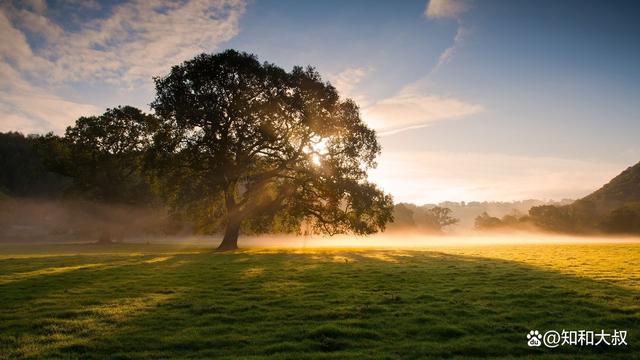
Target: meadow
point(155, 301)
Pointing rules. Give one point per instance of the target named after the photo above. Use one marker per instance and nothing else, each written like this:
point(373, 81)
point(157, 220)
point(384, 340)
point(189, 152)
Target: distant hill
point(621, 190)
point(612, 209)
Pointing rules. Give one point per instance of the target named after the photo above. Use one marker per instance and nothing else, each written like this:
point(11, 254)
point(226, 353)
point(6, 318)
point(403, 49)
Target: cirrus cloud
point(411, 108)
point(348, 80)
point(449, 9)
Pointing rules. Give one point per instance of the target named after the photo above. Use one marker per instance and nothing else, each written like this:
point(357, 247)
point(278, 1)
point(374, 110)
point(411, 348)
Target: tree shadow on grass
point(343, 304)
point(48, 309)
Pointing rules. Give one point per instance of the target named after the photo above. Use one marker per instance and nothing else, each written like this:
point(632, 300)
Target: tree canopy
point(244, 144)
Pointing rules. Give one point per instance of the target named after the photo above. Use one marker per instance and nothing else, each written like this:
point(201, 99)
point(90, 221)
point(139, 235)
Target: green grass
point(153, 301)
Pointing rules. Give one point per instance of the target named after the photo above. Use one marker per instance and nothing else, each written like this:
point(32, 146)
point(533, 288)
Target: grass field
point(166, 301)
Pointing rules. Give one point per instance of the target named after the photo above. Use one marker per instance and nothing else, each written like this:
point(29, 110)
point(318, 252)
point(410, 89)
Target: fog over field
point(397, 240)
point(85, 222)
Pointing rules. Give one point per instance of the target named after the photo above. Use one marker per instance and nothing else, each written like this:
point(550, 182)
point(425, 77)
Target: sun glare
point(317, 149)
point(315, 159)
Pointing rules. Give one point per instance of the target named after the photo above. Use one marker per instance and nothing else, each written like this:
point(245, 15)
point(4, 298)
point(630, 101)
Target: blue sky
point(473, 100)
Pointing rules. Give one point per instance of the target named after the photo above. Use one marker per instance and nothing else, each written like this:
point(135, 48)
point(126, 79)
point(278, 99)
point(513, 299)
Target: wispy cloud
point(412, 108)
point(446, 9)
point(138, 40)
point(15, 49)
point(448, 53)
point(135, 41)
point(452, 10)
point(347, 81)
point(32, 109)
point(431, 177)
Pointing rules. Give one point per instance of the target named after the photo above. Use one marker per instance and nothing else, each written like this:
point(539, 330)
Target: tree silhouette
point(439, 217)
point(264, 149)
point(552, 218)
point(104, 155)
point(24, 168)
point(403, 216)
point(485, 221)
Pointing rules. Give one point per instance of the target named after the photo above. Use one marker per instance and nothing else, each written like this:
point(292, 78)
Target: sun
point(315, 159)
point(317, 150)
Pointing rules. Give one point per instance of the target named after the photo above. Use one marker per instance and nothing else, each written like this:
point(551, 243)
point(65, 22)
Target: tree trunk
point(230, 239)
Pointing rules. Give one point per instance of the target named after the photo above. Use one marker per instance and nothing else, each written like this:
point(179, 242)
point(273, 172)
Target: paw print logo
point(534, 338)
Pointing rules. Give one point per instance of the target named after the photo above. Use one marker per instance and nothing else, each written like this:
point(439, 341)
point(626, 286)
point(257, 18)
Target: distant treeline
point(24, 168)
point(57, 190)
point(613, 209)
point(420, 217)
point(581, 217)
point(407, 214)
point(53, 167)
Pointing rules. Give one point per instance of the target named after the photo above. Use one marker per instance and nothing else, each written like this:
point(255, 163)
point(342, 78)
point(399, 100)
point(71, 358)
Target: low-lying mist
point(72, 220)
point(410, 240)
point(30, 220)
point(390, 240)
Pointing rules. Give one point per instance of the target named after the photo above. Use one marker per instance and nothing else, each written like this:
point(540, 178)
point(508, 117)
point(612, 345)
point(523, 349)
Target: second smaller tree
point(439, 217)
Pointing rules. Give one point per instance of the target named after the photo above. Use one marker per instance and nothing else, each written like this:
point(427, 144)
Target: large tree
point(245, 144)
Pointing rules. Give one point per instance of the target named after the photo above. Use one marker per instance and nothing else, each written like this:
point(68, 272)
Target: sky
point(472, 100)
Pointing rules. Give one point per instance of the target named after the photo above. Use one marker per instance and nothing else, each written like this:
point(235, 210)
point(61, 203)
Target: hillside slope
point(621, 190)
